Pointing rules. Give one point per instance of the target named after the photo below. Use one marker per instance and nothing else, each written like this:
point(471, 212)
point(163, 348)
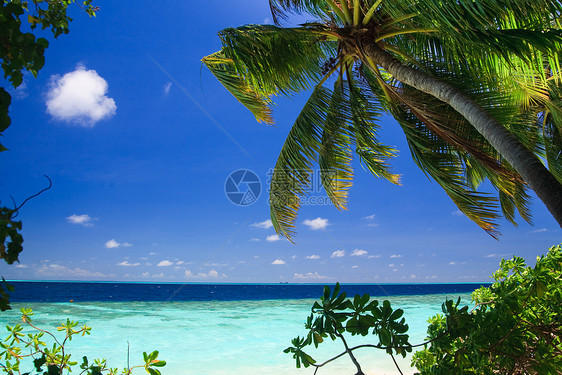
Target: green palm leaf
point(291, 176)
point(335, 157)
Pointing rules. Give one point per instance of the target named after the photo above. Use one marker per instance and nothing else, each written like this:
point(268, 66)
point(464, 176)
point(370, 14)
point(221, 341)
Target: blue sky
point(139, 141)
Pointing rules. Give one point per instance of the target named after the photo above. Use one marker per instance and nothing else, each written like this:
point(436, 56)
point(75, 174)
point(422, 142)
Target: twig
point(16, 209)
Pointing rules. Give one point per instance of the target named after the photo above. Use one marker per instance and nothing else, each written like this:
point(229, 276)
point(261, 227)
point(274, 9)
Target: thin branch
point(396, 364)
point(16, 210)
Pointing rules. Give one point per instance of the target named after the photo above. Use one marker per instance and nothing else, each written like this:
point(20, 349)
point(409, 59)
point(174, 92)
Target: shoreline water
point(219, 337)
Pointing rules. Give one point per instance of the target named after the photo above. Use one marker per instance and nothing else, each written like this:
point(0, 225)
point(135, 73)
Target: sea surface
point(216, 329)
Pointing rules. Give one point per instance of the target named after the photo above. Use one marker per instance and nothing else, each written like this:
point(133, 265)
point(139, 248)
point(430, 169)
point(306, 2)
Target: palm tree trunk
point(524, 161)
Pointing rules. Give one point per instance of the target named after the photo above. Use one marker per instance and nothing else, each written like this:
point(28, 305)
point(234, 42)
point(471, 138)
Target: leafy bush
point(18, 347)
point(515, 326)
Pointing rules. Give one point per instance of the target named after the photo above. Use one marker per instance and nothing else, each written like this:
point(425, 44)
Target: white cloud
point(396, 256)
point(164, 263)
point(391, 265)
point(431, 277)
point(309, 275)
point(57, 270)
point(338, 254)
point(374, 256)
point(188, 273)
point(112, 244)
point(452, 263)
point(373, 225)
point(294, 257)
point(354, 267)
point(278, 261)
point(493, 255)
point(167, 88)
point(145, 274)
point(358, 253)
point(254, 239)
point(541, 230)
point(316, 224)
point(264, 224)
point(152, 253)
point(21, 266)
point(79, 97)
point(213, 273)
point(457, 213)
point(273, 238)
point(126, 263)
point(370, 217)
point(313, 256)
point(84, 220)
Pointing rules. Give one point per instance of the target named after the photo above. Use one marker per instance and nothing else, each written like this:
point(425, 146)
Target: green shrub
point(19, 349)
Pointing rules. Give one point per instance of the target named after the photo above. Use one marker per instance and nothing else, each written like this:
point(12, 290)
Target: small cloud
point(358, 253)
point(167, 88)
point(413, 276)
point(338, 254)
point(188, 273)
point(213, 273)
point(309, 275)
point(264, 224)
point(126, 263)
point(314, 256)
point(84, 220)
point(278, 261)
point(21, 266)
point(431, 277)
point(294, 257)
point(80, 97)
point(355, 266)
point(112, 244)
point(254, 239)
point(493, 255)
point(452, 263)
point(145, 274)
point(152, 253)
point(373, 225)
point(457, 213)
point(273, 238)
point(316, 224)
point(541, 230)
point(396, 256)
point(374, 256)
point(370, 217)
point(391, 265)
point(164, 263)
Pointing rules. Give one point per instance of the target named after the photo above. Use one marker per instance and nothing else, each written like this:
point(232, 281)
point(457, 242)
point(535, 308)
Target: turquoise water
point(217, 337)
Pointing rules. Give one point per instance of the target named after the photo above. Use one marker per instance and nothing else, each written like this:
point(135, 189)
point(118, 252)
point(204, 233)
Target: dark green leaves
point(514, 325)
point(334, 315)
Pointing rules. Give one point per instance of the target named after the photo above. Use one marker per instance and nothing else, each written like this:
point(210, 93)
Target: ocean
point(216, 329)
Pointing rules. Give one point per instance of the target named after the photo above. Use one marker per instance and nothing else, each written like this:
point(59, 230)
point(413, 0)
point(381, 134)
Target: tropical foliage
point(21, 348)
point(473, 84)
point(513, 327)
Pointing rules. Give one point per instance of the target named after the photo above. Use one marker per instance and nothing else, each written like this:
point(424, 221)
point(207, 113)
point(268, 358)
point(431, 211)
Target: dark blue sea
point(40, 291)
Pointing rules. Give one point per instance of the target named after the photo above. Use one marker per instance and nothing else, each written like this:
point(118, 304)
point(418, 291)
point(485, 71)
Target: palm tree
point(473, 84)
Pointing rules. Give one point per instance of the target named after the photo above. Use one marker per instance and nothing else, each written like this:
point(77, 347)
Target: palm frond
point(335, 158)
point(272, 59)
point(365, 113)
point(293, 169)
point(223, 69)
